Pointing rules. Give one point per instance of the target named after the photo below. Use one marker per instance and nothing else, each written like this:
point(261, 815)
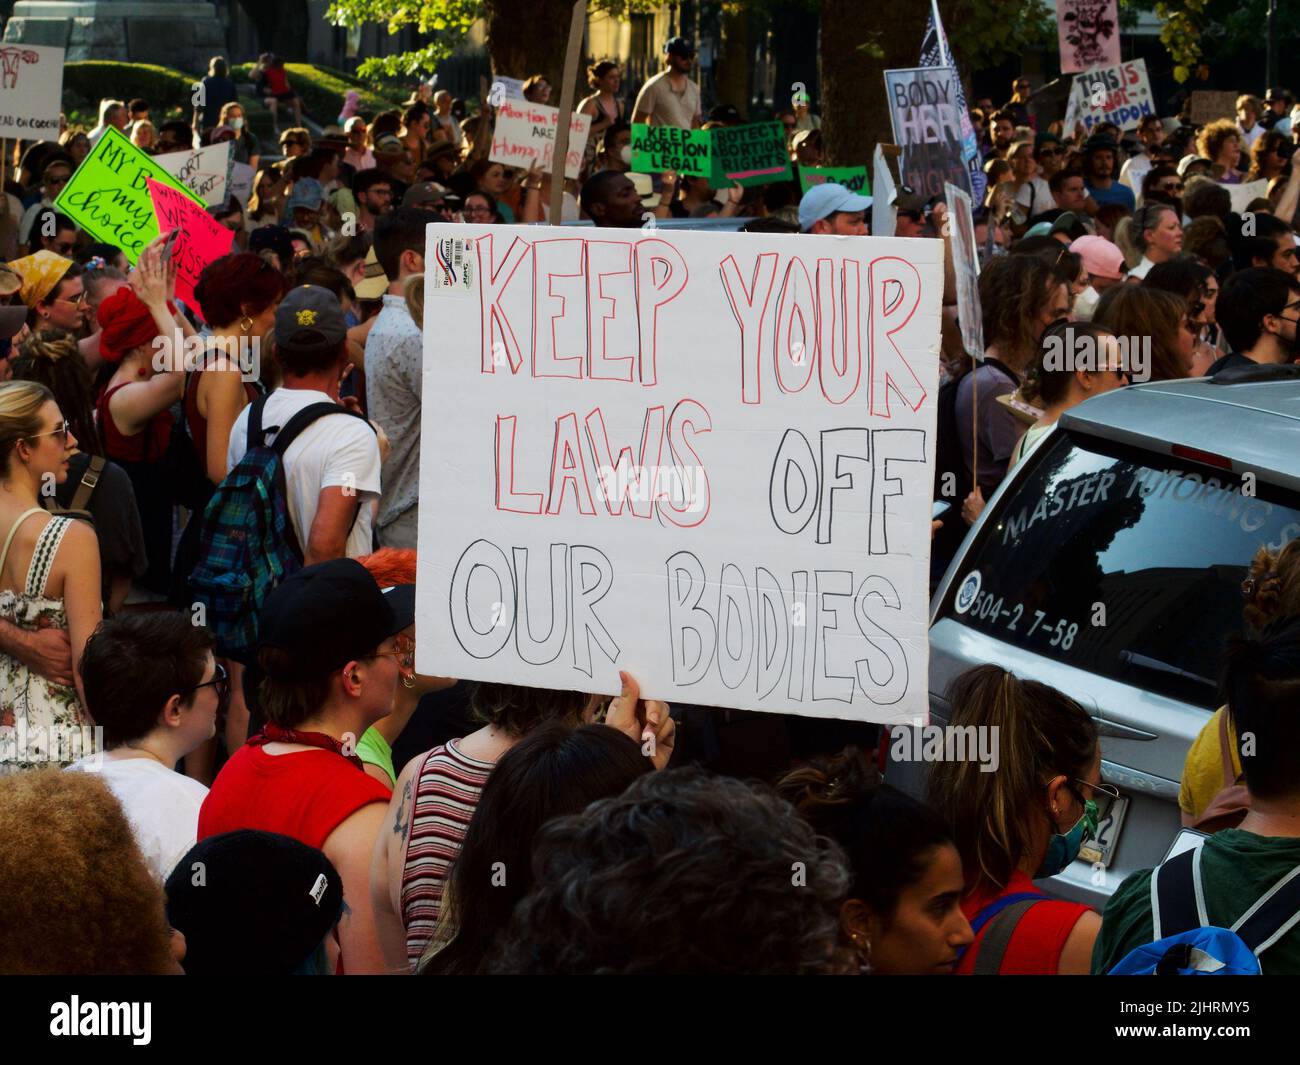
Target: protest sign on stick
point(1242, 194)
point(525, 134)
point(927, 127)
point(241, 183)
point(1207, 106)
point(883, 219)
point(204, 171)
point(108, 194)
point(31, 89)
point(655, 149)
point(678, 455)
point(853, 178)
point(1088, 33)
point(750, 155)
point(1119, 94)
point(966, 268)
point(201, 239)
point(577, 22)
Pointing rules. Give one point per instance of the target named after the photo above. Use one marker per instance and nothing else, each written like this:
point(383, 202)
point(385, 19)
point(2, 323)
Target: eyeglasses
point(61, 431)
point(54, 182)
point(1176, 187)
point(1048, 153)
point(220, 681)
point(404, 652)
point(1105, 797)
point(79, 300)
point(476, 210)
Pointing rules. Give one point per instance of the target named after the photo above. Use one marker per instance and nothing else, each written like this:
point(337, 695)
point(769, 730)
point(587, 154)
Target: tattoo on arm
point(402, 821)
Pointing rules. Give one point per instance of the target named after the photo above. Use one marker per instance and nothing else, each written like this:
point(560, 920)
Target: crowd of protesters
point(352, 815)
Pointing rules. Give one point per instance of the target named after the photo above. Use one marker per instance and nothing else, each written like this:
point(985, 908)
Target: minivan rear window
point(1121, 562)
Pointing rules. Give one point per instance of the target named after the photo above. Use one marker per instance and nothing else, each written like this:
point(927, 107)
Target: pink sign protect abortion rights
point(704, 458)
point(525, 134)
point(201, 240)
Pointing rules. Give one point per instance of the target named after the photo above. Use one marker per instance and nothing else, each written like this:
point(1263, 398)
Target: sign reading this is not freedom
point(108, 194)
point(678, 455)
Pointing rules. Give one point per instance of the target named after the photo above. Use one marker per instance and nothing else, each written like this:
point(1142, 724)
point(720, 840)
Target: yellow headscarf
point(40, 272)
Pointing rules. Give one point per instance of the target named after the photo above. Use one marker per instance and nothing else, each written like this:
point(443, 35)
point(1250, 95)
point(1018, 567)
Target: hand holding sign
point(647, 722)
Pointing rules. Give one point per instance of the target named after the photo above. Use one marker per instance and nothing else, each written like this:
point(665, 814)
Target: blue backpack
point(1186, 944)
point(247, 543)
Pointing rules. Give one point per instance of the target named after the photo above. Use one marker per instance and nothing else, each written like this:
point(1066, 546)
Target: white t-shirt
point(1133, 171)
point(162, 806)
point(332, 452)
point(1034, 197)
point(1142, 269)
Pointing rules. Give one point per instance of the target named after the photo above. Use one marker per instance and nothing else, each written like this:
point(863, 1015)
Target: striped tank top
point(447, 790)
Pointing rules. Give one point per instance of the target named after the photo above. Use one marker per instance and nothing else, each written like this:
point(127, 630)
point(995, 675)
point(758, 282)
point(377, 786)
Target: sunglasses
point(1177, 187)
point(220, 681)
point(77, 301)
point(55, 182)
point(1104, 796)
point(1047, 153)
point(61, 431)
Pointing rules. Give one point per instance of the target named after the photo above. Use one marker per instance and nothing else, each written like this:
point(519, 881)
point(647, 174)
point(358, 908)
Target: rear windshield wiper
point(1156, 666)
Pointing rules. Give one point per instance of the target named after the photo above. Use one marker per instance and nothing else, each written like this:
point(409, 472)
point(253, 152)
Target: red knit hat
point(126, 323)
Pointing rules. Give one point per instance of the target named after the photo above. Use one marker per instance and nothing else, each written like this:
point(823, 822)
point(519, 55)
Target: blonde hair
point(1272, 589)
point(20, 414)
point(415, 299)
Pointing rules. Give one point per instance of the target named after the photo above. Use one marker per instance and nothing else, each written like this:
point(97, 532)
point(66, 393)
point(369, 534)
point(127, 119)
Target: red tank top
point(305, 795)
point(194, 419)
point(1036, 944)
point(148, 445)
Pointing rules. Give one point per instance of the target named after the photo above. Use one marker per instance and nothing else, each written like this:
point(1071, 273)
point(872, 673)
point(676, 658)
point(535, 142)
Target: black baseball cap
point(326, 615)
point(310, 318)
point(679, 46)
point(262, 905)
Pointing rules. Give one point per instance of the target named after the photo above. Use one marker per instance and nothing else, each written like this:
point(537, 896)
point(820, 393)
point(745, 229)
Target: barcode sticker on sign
point(451, 272)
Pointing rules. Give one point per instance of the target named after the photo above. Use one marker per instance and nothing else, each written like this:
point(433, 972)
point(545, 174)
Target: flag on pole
point(936, 53)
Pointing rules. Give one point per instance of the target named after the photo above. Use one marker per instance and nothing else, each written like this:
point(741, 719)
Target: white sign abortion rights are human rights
point(703, 458)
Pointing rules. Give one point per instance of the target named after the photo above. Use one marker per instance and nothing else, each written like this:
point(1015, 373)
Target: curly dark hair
point(1014, 292)
point(78, 897)
point(683, 872)
point(518, 710)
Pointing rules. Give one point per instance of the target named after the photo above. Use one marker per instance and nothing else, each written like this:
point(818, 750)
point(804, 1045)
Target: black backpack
point(950, 470)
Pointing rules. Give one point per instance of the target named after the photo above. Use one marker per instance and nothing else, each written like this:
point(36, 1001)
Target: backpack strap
point(1274, 914)
point(1177, 896)
point(993, 947)
point(1225, 749)
point(88, 481)
point(1003, 369)
point(300, 421)
point(256, 436)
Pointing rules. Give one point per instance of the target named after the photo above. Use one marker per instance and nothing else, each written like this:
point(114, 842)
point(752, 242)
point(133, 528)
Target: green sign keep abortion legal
point(659, 148)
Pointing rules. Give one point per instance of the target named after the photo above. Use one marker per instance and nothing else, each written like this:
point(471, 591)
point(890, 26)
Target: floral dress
point(41, 723)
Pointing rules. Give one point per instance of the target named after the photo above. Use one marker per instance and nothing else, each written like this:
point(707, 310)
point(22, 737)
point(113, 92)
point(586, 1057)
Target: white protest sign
point(241, 182)
point(673, 453)
point(1088, 31)
point(883, 218)
point(511, 89)
point(204, 171)
point(966, 268)
point(1119, 94)
point(525, 133)
point(1244, 193)
point(31, 91)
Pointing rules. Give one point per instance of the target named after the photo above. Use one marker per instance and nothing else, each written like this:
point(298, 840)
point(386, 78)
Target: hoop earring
point(246, 324)
point(408, 681)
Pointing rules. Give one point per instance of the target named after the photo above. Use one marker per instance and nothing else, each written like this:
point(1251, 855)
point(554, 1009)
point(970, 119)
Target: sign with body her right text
point(966, 268)
point(31, 90)
point(525, 134)
point(703, 458)
point(1119, 94)
point(108, 194)
point(1088, 32)
point(656, 149)
point(749, 155)
point(853, 178)
point(927, 127)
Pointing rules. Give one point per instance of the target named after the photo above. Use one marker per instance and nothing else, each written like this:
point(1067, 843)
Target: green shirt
point(373, 749)
point(1236, 869)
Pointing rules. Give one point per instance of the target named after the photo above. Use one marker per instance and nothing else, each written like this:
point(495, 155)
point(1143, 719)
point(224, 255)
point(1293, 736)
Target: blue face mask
point(1064, 849)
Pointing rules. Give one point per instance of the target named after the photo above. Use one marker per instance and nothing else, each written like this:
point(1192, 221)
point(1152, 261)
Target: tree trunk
point(855, 113)
point(732, 72)
point(523, 45)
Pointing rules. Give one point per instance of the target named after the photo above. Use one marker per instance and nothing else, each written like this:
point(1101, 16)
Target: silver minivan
point(1109, 564)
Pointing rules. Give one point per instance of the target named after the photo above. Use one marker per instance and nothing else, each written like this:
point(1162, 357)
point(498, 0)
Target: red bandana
point(275, 734)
